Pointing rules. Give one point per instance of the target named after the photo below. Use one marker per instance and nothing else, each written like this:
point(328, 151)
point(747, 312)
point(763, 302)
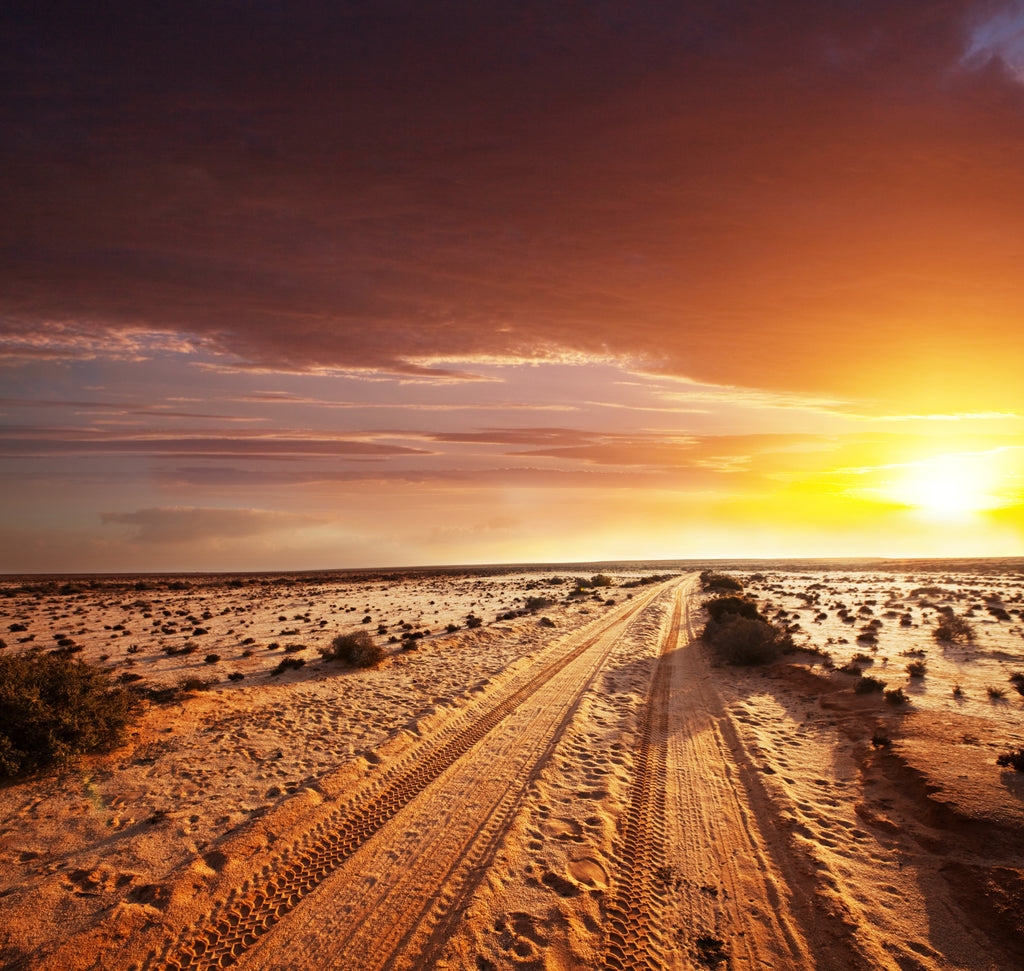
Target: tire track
point(632, 917)
point(698, 883)
point(230, 935)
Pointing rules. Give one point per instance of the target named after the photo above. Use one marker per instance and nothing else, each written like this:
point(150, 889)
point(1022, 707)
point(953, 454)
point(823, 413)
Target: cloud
point(190, 524)
point(35, 441)
point(799, 197)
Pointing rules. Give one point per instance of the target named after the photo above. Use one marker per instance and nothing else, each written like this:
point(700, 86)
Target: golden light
point(948, 487)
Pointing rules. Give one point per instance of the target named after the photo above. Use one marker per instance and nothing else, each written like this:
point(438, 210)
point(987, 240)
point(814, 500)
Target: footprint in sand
point(588, 874)
point(562, 829)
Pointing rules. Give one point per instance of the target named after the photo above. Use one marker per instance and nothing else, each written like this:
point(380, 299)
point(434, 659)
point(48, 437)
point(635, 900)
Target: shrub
point(743, 640)
point(881, 740)
point(357, 649)
point(1012, 760)
point(601, 580)
point(867, 684)
point(194, 683)
point(235, 676)
point(211, 658)
point(995, 692)
point(719, 581)
point(952, 629)
point(917, 669)
point(720, 607)
point(287, 664)
point(896, 696)
point(53, 709)
point(474, 622)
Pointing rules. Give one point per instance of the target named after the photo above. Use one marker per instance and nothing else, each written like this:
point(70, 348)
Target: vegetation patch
point(54, 708)
point(358, 649)
point(1013, 759)
point(953, 629)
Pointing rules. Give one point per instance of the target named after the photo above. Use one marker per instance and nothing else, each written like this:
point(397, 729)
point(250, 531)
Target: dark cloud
point(797, 195)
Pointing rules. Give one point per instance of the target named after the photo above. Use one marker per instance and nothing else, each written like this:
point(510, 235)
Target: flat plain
point(538, 775)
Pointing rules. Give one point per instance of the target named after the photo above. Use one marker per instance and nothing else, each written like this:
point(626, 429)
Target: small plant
point(235, 676)
point(917, 669)
point(287, 664)
point(451, 628)
point(881, 740)
point(358, 649)
point(896, 696)
point(211, 658)
point(994, 691)
point(1017, 680)
point(294, 648)
point(868, 684)
point(958, 691)
point(472, 622)
point(1012, 760)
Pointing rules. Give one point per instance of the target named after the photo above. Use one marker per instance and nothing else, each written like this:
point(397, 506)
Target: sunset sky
point(340, 284)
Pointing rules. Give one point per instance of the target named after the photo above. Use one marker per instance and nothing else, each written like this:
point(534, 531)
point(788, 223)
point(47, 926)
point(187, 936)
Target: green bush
point(357, 649)
point(720, 607)
point(54, 708)
point(737, 639)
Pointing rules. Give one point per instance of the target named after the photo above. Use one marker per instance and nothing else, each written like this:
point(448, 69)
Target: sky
point(313, 285)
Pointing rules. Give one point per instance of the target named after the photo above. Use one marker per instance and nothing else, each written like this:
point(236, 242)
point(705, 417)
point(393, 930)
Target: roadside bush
point(738, 639)
point(721, 607)
point(54, 708)
point(357, 649)
point(719, 581)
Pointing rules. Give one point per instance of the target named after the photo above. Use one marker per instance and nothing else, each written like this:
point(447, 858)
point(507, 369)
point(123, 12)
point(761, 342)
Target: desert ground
point(535, 777)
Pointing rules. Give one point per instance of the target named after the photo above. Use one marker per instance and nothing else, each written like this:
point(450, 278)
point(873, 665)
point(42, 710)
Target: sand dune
point(577, 787)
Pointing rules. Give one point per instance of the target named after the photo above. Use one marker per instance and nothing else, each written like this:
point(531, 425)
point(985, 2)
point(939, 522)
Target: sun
point(948, 487)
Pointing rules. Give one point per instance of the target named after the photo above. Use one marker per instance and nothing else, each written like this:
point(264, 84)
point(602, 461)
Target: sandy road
point(699, 885)
point(376, 891)
point(696, 879)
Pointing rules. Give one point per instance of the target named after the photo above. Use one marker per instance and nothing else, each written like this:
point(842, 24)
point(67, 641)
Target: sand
point(581, 786)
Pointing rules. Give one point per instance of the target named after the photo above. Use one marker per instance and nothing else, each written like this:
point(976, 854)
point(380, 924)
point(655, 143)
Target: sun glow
point(949, 487)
